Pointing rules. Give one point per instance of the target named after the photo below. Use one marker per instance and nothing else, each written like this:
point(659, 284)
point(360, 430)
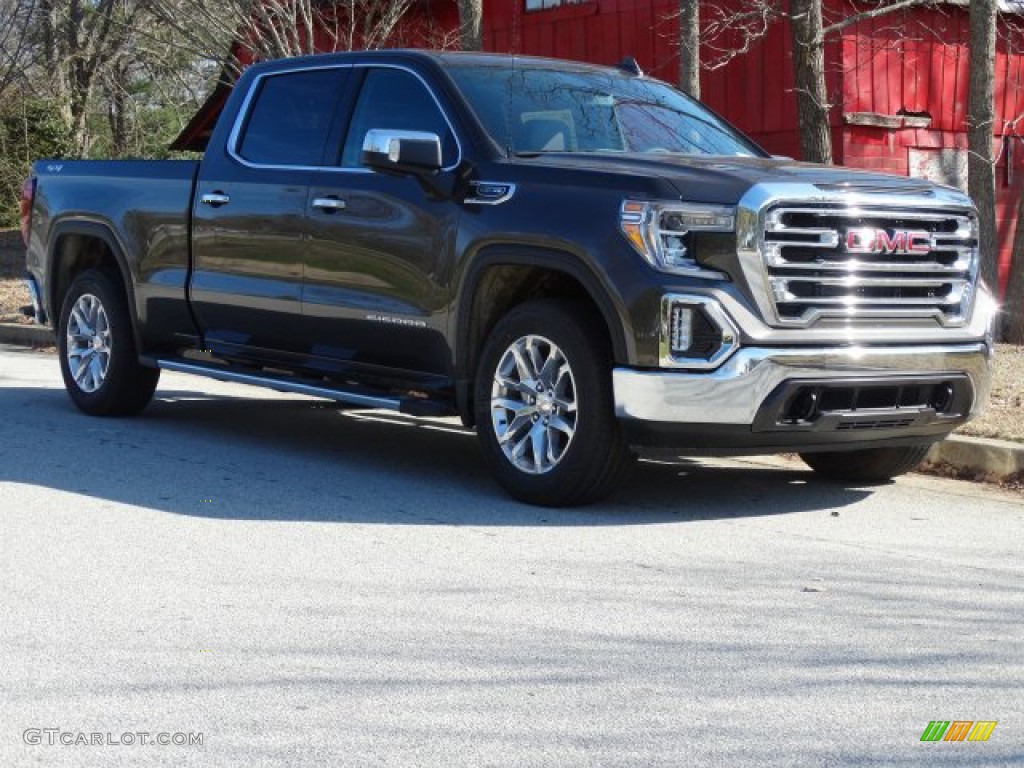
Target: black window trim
point(236, 135)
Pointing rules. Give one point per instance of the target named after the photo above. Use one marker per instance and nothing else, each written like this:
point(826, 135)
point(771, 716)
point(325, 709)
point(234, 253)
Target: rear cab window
point(290, 118)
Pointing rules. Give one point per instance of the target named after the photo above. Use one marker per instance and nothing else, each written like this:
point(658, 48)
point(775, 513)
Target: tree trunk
point(809, 75)
point(981, 171)
point(1013, 305)
point(116, 84)
point(77, 129)
point(689, 47)
point(471, 13)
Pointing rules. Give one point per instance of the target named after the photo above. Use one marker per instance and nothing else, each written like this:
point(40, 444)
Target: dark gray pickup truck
point(580, 261)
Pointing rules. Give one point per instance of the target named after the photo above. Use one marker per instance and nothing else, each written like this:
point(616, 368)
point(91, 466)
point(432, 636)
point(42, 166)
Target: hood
point(725, 180)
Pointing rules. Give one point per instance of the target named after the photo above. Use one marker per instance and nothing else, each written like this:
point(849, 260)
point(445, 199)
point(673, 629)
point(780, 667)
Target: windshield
point(531, 109)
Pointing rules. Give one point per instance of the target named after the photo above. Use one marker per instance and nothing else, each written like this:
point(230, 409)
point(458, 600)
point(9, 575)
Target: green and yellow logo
point(959, 730)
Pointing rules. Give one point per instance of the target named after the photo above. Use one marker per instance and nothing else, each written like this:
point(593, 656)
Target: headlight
point(663, 233)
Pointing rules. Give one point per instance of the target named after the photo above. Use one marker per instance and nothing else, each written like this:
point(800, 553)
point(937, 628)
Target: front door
point(380, 251)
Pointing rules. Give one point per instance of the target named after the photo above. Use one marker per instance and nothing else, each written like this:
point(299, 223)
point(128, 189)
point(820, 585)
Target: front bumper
point(743, 404)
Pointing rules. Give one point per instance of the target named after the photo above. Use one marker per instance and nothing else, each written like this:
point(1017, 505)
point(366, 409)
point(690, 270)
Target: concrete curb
point(989, 459)
point(25, 335)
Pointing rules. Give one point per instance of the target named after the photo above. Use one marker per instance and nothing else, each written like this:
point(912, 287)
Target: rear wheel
point(872, 465)
point(544, 406)
point(98, 358)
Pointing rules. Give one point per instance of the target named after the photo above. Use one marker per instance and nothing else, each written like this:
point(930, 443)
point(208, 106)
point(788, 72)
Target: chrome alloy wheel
point(533, 404)
point(88, 348)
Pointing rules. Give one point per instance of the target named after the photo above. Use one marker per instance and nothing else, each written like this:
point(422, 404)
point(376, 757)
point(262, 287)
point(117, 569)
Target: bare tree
point(115, 94)
point(807, 30)
point(981, 175)
point(711, 35)
point(810, 33)
point(1011, 30)
point(471, 13)
point(689, 47)
point(15, 47)
point(730, 31)
point(74, 41)
point(273, 29)
point(1013, 304)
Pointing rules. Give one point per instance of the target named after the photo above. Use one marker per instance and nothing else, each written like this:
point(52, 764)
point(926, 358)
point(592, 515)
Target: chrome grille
point(847, 261)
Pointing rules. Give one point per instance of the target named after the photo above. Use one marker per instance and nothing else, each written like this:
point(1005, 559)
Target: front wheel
point(98, 359)
point(544, 406)
point(872, 465)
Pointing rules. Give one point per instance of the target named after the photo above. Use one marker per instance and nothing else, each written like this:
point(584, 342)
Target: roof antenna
point(628, 64)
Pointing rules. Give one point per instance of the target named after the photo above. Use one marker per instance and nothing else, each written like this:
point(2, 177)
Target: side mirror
point(402, 152)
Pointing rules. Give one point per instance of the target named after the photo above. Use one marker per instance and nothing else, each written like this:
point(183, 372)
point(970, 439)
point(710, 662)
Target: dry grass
point(13, 296)
point(13, 293)
point(1004, 418)
point(1013, 483)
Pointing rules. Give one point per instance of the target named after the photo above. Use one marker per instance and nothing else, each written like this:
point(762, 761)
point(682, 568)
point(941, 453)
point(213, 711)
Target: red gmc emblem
point(883, 241)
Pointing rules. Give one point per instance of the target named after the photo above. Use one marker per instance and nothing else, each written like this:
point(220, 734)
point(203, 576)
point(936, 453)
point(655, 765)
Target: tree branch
point(881, 10)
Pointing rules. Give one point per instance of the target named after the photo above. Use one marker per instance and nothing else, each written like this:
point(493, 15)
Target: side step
point(412, 406)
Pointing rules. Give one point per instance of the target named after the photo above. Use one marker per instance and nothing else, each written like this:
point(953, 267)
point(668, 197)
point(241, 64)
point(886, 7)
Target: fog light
point(681, 332)
point(695, 332)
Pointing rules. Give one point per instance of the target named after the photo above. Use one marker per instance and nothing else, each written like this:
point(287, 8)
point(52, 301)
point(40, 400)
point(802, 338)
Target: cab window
point(291, 117)
point(397, 100)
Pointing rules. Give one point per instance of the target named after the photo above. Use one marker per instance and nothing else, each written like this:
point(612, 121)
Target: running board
point(409, 405)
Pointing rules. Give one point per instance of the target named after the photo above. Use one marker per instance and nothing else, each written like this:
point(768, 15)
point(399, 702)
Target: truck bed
point(147, 203)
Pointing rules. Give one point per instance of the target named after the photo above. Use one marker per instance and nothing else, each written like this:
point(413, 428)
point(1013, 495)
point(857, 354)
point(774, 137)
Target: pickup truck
point(580, 261)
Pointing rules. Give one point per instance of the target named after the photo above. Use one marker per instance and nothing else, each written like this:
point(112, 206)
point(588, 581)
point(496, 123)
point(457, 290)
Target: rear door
point(380, 254)
point(249, 236)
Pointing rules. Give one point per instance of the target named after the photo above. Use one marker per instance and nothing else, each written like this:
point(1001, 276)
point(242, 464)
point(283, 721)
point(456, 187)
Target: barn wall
point(600, 32)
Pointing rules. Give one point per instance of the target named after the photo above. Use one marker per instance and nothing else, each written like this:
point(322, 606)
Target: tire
point(98, 357)
point(562, 445)
point(872, 465)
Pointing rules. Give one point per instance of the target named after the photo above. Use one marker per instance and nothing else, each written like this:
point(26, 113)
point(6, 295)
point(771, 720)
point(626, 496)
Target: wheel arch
point(502, 276)
point(77, 245)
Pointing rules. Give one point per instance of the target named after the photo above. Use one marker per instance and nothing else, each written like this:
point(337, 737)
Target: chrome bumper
point(735, 392)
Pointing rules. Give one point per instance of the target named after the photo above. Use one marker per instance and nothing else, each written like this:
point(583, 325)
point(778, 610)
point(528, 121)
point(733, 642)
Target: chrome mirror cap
point(405, 152)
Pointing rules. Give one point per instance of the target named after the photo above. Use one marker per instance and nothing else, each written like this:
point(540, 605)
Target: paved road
point(307, 586)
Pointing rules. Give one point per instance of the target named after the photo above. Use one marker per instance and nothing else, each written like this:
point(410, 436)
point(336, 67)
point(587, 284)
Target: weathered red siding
point(600, 32)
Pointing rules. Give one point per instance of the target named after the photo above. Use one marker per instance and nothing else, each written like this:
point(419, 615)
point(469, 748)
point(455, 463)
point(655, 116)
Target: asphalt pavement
point(294, 584)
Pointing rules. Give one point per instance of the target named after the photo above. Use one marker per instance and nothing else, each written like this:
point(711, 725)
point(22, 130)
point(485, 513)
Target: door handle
point(329, 204)
point(214, 198)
